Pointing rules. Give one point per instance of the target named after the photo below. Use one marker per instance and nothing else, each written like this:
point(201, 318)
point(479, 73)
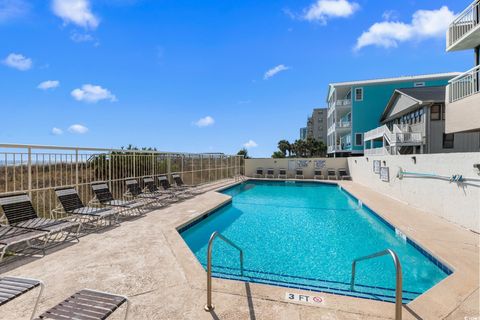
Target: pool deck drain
point(148, 260)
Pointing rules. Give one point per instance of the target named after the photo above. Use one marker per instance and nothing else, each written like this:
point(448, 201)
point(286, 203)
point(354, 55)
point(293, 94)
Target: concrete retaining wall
point(252, 164)
point(456, 202)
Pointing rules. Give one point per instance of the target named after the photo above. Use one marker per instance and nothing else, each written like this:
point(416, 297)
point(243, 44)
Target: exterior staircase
point(400, 140)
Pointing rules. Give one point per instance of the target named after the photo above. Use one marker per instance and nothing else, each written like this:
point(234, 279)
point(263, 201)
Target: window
point(435, 112)
point(358, 94)
point(359, 139)
point(448, 140)
point(419, 84)
point(443, 111)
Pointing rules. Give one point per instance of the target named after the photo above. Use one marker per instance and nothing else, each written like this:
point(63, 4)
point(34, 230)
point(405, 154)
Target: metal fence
point(38, 170)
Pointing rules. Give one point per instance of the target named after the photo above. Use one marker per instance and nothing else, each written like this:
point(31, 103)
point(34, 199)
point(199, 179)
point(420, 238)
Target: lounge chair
point(318, 175)
point(259, 173)
point(270, 173)
point(134, 191)
point(72, 204)
point(14, 287)
point(299, 174)
point(151, 188)
point(282, 173)
point(343, 174)
point(105, 197)
point(13, 236)
point(332, 174)
point(179, 194)
point(87, 304)
point(189, 188)
point(20, 213)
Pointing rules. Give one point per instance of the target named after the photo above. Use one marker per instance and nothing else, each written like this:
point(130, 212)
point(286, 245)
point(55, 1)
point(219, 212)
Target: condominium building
point(317, 125)
point(303, 133)
point(463, 92)
point(414, 122)
point(356, 107)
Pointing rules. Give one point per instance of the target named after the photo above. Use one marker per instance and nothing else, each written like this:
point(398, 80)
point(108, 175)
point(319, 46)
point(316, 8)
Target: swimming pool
point(305, 235)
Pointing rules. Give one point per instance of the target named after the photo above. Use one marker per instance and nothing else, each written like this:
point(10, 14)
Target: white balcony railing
point(343, 102)
point(376, 133)
point(464, 85)
point(376, 151)
point(343, 124)
point(464, 23)
point(406, 138)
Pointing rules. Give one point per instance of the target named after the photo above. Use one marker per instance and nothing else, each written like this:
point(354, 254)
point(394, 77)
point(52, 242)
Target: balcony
point(464, 32)
point(463, 102)
point(342, 104)
point(339, 148)
point(464, 85)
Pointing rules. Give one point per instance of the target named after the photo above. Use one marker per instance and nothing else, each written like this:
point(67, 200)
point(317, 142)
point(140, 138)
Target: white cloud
point(92, 94)
point(12, 9)
point(77, 12)
point(57, 131)
point(270, 73)
point(18, 61)
point(424, 24)
point(322, 10)
point(77, 128)
point(204, 122)
point(250, 144)
point(49, 84)
point(81, 37)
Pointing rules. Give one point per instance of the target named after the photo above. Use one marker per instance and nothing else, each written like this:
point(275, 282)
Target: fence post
point(134, 165)
point(29, 175)
point(76, 169)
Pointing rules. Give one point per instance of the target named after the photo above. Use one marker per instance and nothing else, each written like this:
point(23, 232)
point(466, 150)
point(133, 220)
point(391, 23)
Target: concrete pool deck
point(147, 260)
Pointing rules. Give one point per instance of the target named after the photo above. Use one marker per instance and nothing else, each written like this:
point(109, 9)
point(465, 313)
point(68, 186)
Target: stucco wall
point(463, 115)
point(458, 203)
point(252, 164)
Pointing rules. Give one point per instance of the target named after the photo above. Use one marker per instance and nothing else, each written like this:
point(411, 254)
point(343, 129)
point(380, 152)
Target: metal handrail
point(398, 277)
point(209, 306)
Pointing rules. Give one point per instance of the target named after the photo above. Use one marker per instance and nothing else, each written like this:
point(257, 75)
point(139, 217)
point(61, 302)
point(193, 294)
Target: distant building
point(356, 107)
point(414, 122)
point(303, 133)
point(463, 92)
point(317, 125)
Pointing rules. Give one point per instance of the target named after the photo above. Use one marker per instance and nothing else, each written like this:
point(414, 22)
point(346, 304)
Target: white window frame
point(355, 139)
point(359, 88)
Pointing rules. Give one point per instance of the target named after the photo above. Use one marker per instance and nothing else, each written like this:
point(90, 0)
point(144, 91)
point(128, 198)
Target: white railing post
point(29, 168)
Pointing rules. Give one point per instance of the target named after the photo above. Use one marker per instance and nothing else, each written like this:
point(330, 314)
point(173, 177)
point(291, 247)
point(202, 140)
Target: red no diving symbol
point(317, 299)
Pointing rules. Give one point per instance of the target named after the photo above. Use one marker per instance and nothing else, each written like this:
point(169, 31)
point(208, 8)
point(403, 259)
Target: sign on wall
point(376, 166)
point(384, 174)
point(320, 164)
point(302, 163)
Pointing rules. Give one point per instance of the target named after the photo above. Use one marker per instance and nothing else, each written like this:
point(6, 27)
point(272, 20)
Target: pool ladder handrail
point(398, 277)
point(209, 306)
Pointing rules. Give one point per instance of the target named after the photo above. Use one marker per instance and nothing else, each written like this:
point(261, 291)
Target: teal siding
point(366, 114)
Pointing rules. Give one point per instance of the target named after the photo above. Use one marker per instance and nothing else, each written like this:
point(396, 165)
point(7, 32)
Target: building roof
point(422, 95)
point(398, 79)
point(425, 94)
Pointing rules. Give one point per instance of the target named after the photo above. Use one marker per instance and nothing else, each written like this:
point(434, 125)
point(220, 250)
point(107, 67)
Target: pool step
point(311, 284)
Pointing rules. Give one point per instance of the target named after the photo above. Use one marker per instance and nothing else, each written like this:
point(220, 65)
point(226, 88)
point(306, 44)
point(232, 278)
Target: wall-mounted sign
point(376, 166)
point(320, 164)
point(305, 298)
point(302, 163)
point(384, 174)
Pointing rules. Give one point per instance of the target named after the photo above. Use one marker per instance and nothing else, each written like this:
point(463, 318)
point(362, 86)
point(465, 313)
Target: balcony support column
point(477, 63)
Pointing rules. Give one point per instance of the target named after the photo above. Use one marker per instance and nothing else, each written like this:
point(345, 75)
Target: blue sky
point(201, 76)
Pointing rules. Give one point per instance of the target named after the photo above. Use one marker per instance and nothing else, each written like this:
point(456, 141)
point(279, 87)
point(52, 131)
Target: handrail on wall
point(453, 178)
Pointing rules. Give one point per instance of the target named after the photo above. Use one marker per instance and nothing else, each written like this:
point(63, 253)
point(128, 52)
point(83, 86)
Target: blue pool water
point(305, 235)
